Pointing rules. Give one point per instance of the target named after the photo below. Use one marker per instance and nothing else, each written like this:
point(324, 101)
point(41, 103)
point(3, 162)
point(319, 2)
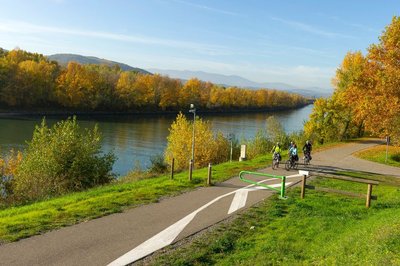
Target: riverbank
point(6, 113)
point(27, 220)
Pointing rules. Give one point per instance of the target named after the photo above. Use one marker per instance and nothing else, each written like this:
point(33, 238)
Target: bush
point(8, 169)
point(158, 166)
point(208, 148)
point(274, 130)
point(259, 145)
point(61, 159)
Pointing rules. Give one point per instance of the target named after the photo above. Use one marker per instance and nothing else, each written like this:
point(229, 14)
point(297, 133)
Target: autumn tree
point(125, 89)
point(208, 148)
point(29, 80)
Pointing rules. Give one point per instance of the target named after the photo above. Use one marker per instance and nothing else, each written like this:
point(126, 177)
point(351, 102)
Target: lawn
point(378, 154)
point(322, 229)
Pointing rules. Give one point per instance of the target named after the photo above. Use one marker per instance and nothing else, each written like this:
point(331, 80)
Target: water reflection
point(134, 139)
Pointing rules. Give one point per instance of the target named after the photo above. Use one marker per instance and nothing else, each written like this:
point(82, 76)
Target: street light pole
point(193, 110)
point(230, 138)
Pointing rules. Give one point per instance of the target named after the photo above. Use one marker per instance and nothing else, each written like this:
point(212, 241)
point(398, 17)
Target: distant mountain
point(233, 80)
point(63, 59)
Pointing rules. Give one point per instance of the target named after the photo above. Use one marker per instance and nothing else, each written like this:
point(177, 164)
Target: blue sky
point(295, 42)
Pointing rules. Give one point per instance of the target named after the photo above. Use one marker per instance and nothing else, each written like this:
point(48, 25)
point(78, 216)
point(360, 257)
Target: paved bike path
point(122, 238)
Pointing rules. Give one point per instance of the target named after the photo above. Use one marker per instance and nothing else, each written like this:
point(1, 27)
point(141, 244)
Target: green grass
point(378, 154)
point(322, 229)
point(24, 221)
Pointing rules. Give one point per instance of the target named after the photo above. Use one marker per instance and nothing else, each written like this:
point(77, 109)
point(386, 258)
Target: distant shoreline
point(35, 113)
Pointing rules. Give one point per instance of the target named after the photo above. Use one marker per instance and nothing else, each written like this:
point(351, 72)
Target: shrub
point(274, 130)
point(157, 164)
point(208, 148)
point(259, 145)
point(61, 159)
point(8, 169)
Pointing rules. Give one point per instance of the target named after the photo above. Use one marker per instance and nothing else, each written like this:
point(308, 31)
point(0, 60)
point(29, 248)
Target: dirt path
point(122, 238)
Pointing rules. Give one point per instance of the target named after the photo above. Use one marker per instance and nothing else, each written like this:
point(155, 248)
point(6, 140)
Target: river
point(134, 139)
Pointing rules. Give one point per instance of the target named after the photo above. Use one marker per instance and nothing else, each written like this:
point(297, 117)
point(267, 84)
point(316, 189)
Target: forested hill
point(30, 81)
point(64, 59)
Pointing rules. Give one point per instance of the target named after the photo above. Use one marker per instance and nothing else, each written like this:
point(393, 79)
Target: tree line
point(366, 98)
point(30, 81)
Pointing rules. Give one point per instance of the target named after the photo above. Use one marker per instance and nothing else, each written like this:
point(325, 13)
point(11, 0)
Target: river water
point(134, 139)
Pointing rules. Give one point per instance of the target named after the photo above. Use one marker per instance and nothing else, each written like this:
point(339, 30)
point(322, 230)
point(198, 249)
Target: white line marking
point(239, 201)
point(162, 239)
point(167, 236)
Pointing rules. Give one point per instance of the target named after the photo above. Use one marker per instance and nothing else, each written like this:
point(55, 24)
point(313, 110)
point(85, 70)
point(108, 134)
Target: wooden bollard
point(172, 168)
point(190, 170)
point(303, 187)
point(209, 174)
point(369, 193)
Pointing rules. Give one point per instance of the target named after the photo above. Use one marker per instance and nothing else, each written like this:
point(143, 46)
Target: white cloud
point(221, 11)
point(19, 27)
point(311, 29)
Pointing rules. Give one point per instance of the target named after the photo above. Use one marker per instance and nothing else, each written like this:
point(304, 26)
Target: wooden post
point(190, 170)
point(172, 168)
point(209, 174)
point(369, 193)
point(303, 187)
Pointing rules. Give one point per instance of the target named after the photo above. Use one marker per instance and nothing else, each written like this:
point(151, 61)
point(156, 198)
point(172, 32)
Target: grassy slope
point(23, 221)
point(322, 229)
point(378, 154)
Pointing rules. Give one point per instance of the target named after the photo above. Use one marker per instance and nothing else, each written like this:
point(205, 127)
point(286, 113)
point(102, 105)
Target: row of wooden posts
point(369, 183)
point(191, 171)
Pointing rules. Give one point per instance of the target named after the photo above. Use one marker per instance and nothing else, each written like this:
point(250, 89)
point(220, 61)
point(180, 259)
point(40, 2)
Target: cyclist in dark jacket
point(307, 149)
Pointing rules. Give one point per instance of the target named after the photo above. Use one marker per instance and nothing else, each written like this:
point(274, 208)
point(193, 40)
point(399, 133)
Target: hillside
point(234, 80)
point(63, 59)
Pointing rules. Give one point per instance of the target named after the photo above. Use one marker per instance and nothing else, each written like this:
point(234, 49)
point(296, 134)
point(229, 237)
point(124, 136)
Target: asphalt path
point(123, 238)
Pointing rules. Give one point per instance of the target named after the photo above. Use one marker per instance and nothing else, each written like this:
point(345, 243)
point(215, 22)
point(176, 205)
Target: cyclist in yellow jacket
point(277, 151)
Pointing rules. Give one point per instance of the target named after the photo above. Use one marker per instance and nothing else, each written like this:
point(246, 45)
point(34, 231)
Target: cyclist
point(277, 151)
point(307, 149)
point(291, 145)
point(293, 153)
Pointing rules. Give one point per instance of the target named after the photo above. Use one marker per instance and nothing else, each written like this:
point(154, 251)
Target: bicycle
point(275, 160)
point(307, 158)
point(291, 163)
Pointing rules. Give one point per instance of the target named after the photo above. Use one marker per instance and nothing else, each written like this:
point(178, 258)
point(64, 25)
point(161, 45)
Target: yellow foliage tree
point(367, 92)
point(208, 149)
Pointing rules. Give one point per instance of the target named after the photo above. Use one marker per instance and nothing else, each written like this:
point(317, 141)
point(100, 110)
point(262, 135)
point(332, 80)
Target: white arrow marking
point(239, 201)
point(167, 236)
point(162, 239)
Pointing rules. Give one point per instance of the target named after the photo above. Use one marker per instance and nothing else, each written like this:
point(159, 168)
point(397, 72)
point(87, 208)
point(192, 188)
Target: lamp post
point(193, 110)
point(230, 138)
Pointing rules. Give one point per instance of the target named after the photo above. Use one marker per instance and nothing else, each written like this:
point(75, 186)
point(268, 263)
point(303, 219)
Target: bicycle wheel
point(273, 164)
point(287, 165)
point(295, 165)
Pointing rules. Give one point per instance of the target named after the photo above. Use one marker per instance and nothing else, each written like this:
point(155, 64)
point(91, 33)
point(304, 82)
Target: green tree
point(275, 131)
point(61, 159)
